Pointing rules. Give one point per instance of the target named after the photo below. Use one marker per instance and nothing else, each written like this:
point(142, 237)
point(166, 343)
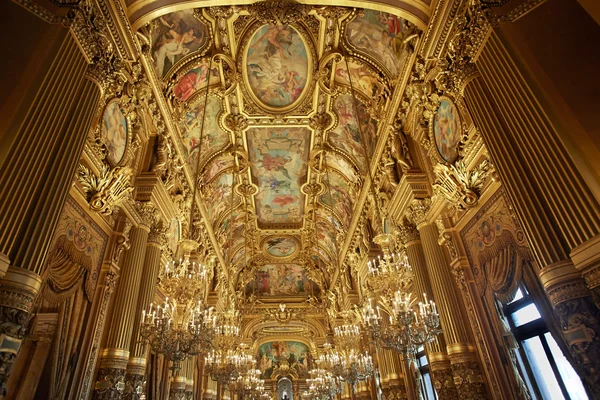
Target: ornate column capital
point(92, 30)
point(470, 34)
point(417, 212)
point(158, 234)
point(147, 214)
point(408, 233)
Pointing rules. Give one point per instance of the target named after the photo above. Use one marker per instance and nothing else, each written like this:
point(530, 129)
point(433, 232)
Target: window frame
point(536, 328)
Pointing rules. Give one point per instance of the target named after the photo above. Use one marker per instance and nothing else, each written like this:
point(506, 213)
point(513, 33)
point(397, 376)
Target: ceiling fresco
point(277, 65)
point(278, 159)
point(175, 36)
point(347, 134)
point(212, 136)
point(379, 35)
point(281, 280)
point(280, 126)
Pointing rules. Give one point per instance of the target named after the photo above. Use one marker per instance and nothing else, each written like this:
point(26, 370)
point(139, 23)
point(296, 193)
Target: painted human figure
point(175, 44)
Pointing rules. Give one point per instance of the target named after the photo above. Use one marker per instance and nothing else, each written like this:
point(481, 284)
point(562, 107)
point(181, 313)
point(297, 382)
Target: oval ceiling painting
point(114, 132)
point(447, 130)
point(277, 65)
point(284, 246)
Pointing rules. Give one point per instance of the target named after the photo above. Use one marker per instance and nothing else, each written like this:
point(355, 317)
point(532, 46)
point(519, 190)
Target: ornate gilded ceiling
point(262, 105)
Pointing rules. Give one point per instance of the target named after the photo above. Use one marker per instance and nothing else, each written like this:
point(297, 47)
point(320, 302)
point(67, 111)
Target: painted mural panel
point(363, 79)
point(114, 132)
point(277, 65)
point(218, 165)
point(174, 36)
point(194, 80)
point(379, 35)
point(281, 246)
point(347, 135)
point(220, 196)
point(447, 130)
point(281, 280)
point(272, 355)
point(334, 160)
point(326, 237)
point(278, 158)
point(339, 197)
point(213, 138)
point(77, 237)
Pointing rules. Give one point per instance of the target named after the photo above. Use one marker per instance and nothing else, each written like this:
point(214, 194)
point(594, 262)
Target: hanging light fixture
point(407, 329)
point(182, 327)
point(347, 365)
point(392, 276)
point(322, 384)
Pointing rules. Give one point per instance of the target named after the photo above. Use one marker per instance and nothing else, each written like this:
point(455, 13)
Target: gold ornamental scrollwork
point(460, 185)
point(107, 190)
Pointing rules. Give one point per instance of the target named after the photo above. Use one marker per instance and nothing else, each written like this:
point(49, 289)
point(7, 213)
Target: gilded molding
point(110, 283)
point(108, 190)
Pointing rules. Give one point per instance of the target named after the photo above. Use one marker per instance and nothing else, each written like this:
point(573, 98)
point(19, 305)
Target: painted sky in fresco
point(278, 158)
point(277, 65)
point(379, 35)
point(281, 280)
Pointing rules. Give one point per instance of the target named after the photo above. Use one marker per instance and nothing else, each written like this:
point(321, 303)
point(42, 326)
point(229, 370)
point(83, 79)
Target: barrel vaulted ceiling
point(281, 142)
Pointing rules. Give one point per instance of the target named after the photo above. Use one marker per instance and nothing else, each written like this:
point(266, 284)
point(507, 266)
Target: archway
point(285, 388)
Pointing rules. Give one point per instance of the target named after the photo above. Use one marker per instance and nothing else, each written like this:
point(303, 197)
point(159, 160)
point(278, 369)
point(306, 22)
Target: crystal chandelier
point(346, 336)
point(177, 333)
point(248, 385)
point(406, 330)
point(226, 366)
point(322, 385)
point(184, 280)
point(348, 365)
point(392, 271)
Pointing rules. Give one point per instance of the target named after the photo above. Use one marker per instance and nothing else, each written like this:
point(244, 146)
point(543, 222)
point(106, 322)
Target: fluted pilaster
point(136, 367)
point(554, 204)
point(34, 183)
point(465, 368)
point(439, 361)
point(115, 357)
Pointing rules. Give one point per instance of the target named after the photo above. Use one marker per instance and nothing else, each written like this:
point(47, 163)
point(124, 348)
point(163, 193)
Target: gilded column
point(579, 319)
point(34, 183)
point(465, 367)
point(115, 356)
point(396, 376)
point(439, 362)
point(189, 383)
point(553, 204)
point(136, 367)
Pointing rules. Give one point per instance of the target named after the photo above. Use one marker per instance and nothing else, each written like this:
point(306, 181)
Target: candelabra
point(405, 332)
point(248, 386)
point(323, 385)
point(184, 279)
point(177, 335)
point(391, 271)
point(348, 365)
point(346, 336)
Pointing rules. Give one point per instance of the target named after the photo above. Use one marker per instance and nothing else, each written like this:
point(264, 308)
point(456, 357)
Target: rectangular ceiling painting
point(281, 280)
point(279, 158)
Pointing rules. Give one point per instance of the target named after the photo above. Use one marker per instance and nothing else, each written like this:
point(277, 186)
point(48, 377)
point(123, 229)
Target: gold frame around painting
point(248, 93)
point(128, 134)
point(283, 259)
point(434, 150)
